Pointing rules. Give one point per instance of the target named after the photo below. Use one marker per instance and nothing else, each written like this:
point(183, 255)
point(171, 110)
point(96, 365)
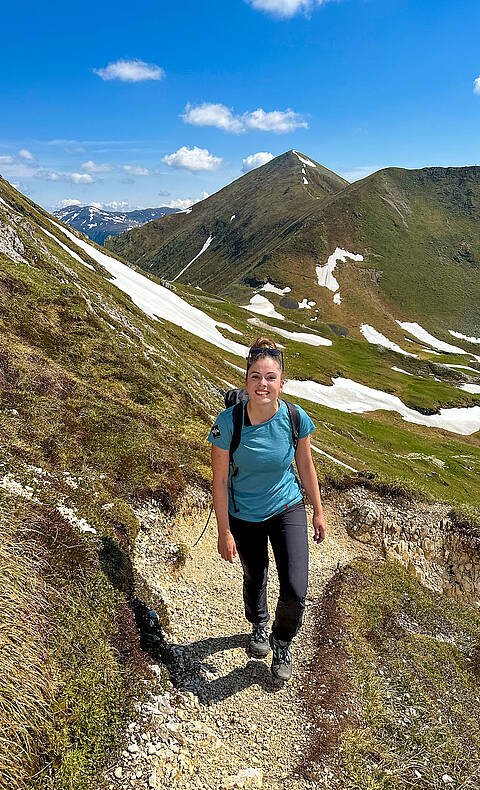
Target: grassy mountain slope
point(94, 410)
point(419, 234)
point(398, 671)
point(102, 408)
point(264, 202)
point(417, 231)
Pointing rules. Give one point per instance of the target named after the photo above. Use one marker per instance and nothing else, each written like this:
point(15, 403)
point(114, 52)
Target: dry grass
point(25, 687)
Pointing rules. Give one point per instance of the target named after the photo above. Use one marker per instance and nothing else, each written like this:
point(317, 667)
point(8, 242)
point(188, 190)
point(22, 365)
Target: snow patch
point(205, 247)
point(464, 337)
point(350, 396)
point(417, 331)
point(474, 389)
point(242, 370)
point(305, 161)
point(159, 302)
point(301, 337)
point(373, 336)
point(325, 274)
point(261, 305)
point(274, 290)
point(67, 249)
point(232, 217)
point(400, 370)
point(305, 180)
point(322, 452)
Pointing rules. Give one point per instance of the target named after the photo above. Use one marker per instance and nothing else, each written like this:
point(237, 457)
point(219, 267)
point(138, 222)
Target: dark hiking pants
point(288, 536)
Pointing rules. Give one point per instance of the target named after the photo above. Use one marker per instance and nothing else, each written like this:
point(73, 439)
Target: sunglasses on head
point(271, 352)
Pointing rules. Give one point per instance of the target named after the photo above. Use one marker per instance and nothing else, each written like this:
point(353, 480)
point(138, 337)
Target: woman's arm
point(220, 464)
point(308, 476)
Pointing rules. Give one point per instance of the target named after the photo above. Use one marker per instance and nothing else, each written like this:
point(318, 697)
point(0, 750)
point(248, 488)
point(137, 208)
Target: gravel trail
point(236, 727)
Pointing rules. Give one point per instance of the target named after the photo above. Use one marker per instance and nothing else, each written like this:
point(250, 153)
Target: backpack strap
point(237, 417)
point(294, 415)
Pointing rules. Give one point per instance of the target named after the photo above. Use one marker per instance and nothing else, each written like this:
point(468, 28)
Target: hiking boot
point(281, 660)
point(258, 646)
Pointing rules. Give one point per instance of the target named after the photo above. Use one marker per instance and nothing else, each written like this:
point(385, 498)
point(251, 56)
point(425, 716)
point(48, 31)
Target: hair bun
point(263, 342)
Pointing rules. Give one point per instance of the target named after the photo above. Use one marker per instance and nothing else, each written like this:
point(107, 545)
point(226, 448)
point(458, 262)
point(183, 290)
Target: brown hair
point(263, 342)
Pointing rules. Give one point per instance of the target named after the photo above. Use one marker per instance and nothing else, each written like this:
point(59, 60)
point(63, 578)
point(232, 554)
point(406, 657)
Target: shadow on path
point(198, 675)
point(187, 666)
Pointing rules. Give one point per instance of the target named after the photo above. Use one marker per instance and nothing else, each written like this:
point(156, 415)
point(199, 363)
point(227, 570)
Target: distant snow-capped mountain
point(97, 223)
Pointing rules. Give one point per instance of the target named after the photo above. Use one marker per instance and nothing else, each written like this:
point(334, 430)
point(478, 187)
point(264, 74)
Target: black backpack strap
point(237, 417)
point(294, 415)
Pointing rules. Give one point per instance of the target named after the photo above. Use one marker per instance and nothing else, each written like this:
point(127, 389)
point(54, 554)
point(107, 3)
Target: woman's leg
point(289, 538)
point(251, 540)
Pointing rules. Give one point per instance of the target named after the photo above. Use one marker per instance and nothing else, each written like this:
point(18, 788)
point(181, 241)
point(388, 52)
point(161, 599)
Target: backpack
point(237, 398)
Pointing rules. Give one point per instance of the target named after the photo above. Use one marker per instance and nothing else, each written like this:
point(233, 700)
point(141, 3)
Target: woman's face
point(264, 381)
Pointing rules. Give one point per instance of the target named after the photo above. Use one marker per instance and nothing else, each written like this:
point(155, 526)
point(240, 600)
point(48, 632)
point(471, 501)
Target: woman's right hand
point(226, 546)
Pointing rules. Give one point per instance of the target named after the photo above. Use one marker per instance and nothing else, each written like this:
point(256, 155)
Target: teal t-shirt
point(265, 483)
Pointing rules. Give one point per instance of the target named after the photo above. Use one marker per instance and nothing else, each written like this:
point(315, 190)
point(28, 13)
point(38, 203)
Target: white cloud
point(256, 160)
point(476, 85)
point(134, 170)
point(193, 159)
point(80, 178)
point(285, 8)
point(213, 115)
point(183, 204)
point(53, 175)
point(24, 153)
point(68, 202)
point(222, 117)
point(96, 204)
point(179, 203)
point(276, 121)
point(94, 167)
point(116, 205)
point(12, 169)
point(131, 71)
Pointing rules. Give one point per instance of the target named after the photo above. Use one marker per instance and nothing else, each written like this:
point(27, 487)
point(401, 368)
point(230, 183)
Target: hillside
point(97, 224)
point(399, 243)
point(242, 220)
point(109, 383)
point(418, 234)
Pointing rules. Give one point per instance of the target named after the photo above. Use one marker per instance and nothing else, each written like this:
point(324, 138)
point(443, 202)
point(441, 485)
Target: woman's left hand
point(319, 528)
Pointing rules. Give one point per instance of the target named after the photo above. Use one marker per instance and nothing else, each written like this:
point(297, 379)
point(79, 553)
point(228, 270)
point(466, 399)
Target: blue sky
point(148, 104)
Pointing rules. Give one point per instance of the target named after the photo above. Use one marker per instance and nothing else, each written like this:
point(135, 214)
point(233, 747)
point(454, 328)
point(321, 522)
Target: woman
point(266, 503)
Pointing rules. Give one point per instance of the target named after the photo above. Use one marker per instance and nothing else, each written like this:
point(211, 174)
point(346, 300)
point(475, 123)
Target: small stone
point(133, 748)
point(118, 772)
point(246, 779)
point(447, 778)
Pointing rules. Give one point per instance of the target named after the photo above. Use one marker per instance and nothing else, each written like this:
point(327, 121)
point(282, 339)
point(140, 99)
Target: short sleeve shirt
point(265, 483)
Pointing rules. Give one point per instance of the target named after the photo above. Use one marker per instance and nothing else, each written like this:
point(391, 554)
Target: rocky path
point(235, 727)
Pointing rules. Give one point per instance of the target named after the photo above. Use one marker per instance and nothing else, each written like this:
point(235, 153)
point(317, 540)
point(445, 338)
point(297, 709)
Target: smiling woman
point(257, 497)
